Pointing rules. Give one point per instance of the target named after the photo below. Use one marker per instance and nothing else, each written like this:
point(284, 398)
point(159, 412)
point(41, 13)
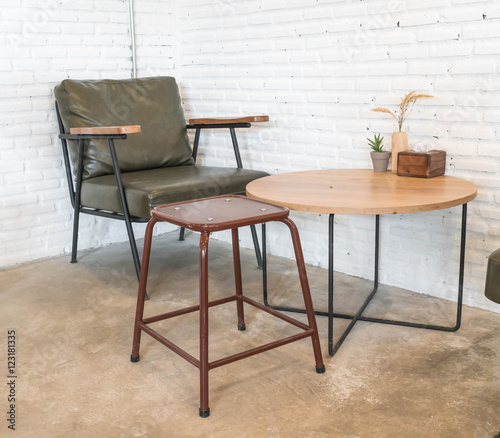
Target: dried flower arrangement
point(405, 107)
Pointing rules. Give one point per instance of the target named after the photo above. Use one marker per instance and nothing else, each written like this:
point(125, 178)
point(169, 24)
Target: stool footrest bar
point(276, 314)
point(187, 310)
point(242, 355)
point(168, 344)
point(257, 350)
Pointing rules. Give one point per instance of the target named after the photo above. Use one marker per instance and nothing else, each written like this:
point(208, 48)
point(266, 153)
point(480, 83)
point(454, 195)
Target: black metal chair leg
point(126, 214)
point(74, 245)
point(196, 143)
point(76, 202)
point(135, 252)
point(236, 148)
point(133, 248)
point(256, 246)
point(239, 163)
point(181, 234)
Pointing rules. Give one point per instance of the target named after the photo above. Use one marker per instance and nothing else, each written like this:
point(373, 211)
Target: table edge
point(439, 205)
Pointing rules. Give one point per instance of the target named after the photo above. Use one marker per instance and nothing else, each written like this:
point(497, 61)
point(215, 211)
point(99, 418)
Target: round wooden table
point(364, 192)
point(361, 191)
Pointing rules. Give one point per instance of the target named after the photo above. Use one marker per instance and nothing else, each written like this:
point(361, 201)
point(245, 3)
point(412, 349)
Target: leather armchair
point(155, 164)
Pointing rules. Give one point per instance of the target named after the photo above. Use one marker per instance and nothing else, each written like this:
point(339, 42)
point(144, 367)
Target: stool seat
point(205, 216)
point(220, 213)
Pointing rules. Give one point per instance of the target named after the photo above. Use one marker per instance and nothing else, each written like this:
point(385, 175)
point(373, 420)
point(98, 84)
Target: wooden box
point(421, 164)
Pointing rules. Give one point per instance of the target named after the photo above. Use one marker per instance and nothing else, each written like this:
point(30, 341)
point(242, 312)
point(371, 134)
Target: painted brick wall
point(316, 67)
point(43, 42)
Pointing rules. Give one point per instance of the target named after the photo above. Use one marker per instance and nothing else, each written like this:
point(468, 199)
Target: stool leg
point(299, 257)
point(139, 312)
point(237, 279)
point(204, 409)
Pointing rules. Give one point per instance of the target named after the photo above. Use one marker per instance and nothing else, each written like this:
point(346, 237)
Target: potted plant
point(399, 138)
point(380, 158)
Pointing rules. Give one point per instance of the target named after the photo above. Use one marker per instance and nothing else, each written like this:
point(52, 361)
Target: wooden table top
point(361, 191)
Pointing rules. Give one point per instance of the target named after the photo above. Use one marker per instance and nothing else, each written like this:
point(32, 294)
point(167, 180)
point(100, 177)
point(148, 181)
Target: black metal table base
point(332, 349)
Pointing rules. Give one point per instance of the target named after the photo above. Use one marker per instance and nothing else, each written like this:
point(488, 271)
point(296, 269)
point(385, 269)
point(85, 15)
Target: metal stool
point(206, 216)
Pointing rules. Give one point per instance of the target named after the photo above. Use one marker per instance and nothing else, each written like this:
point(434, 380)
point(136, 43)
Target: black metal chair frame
point(75, 189)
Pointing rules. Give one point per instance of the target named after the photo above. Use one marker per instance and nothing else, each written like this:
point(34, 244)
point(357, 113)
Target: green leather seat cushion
point(150, 188)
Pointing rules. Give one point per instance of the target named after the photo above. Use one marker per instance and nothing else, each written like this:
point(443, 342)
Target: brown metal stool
point(206, 216)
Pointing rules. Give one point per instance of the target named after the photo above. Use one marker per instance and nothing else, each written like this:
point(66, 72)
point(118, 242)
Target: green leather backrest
point(153, 103)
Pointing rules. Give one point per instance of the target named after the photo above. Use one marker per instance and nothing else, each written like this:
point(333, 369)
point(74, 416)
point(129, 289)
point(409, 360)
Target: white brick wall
point(41, 43)
point(316, 67)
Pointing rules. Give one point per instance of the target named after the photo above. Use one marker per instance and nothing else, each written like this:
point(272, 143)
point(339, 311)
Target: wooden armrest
point(106, 130)
point(225, 120)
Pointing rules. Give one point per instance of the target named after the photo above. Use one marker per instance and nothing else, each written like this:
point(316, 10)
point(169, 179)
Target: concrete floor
point(74, 325)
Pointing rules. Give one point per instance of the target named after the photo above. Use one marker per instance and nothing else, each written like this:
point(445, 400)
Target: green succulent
point(376, 143)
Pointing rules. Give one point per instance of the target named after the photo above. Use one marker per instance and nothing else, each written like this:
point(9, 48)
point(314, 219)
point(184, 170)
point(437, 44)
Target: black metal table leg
point(358, 317)
point(331, 236)
point(331, 349)
point(264, 270)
